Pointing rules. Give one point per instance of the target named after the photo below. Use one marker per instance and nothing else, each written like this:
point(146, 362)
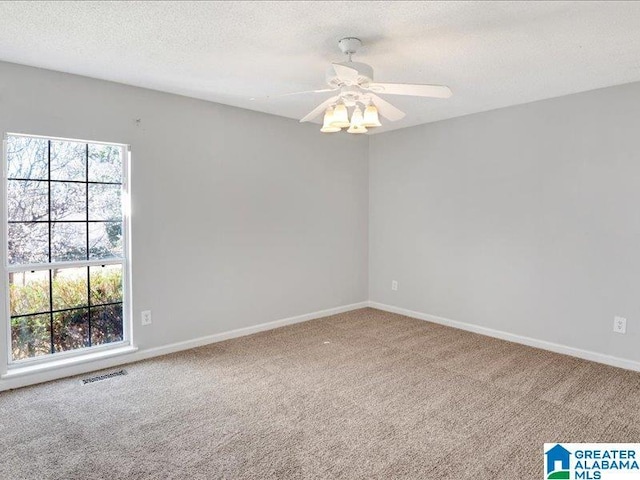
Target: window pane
point(106, 284)
point(70, 330)
point(68, 161)
point(106, 324)
point(27, 201)
point(28, 243)
point(30, 336)
point(27, 157)
point(64, 203)
point(69, 288)
point(68, 201)
point(105, 240)
point(104, 202)
point(29, 292)
point(105, 163)
point(68, 241)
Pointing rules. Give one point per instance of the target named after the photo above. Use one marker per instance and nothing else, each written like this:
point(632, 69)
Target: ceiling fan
point(355, 89)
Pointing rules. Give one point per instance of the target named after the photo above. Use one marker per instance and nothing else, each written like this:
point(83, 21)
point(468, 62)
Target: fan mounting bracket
point(349, 45)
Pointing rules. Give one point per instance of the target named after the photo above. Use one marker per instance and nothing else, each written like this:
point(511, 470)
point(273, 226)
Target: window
point(66, 246)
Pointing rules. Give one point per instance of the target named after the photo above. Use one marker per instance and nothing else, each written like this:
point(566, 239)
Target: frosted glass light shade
point(340, 117)
point(326, 124)
point(371, 117)
point(356, 118)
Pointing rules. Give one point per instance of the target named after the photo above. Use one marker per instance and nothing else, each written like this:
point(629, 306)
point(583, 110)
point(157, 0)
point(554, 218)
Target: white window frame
point(127, 330)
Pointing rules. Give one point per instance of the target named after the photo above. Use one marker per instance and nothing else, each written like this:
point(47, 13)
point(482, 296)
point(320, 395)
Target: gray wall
point(238, 218)
point(524, 219)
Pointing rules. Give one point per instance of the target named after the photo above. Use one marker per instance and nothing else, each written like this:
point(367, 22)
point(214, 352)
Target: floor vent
point(119, 373)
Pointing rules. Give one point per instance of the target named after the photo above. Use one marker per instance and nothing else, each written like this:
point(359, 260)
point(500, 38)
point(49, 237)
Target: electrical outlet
point(619, 325)
point(394, 285)
point(146, 317)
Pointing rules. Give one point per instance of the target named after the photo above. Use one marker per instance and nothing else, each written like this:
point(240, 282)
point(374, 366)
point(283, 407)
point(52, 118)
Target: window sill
point(17, 372)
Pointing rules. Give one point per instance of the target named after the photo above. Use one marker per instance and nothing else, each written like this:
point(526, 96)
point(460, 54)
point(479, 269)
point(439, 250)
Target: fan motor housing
point(365, 74)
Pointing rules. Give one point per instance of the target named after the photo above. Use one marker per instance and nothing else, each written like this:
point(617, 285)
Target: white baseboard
point(57, 372)
point(241, 332)
point(68, 371)
point(531, 342)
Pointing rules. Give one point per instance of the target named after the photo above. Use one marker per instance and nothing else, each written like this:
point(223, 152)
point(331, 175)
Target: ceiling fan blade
point(433, 91)
point(319, 109)
point(346, 74)
point(267, 97)
point(386, 109)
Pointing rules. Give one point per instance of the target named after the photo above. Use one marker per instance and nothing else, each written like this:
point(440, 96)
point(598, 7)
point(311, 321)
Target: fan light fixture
point(336, 118)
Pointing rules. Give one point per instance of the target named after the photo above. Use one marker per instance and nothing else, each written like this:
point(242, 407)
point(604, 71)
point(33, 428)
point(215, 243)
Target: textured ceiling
point(492, 54)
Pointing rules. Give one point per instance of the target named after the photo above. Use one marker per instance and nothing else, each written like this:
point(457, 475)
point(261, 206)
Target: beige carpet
point(362, 395)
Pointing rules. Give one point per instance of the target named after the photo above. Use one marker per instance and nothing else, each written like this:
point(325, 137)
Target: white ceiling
point(492, 54)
